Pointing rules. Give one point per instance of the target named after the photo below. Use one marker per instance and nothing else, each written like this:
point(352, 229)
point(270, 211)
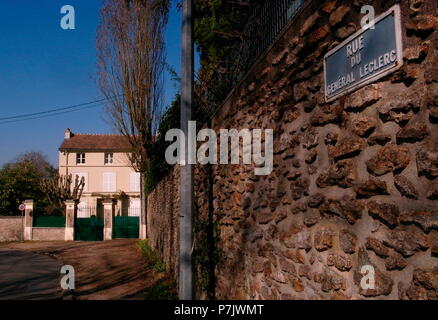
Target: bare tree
point(131, 53)
point(60, 188)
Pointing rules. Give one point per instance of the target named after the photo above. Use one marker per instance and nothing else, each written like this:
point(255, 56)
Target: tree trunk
point(143, 208)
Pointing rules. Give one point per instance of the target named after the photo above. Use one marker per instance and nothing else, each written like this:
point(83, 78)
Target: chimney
point(68, 134)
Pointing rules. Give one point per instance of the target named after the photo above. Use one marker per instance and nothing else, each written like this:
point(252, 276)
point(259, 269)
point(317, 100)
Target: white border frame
point(395, 10)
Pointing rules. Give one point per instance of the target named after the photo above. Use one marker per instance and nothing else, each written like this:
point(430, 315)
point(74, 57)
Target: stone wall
point(162, 219)
point(48, 234)
point(354, 181)
point(11, 228)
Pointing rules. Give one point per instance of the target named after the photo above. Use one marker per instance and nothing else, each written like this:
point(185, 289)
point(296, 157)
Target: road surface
point(104, 270)
point(27, 275)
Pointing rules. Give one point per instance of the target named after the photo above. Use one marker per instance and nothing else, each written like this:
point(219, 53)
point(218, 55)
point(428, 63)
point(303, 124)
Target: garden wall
point(48, 234)
point(354, 181)
point(11, 228)
point(162, 219)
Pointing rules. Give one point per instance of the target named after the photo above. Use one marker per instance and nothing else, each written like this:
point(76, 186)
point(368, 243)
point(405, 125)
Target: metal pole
point(186, 175)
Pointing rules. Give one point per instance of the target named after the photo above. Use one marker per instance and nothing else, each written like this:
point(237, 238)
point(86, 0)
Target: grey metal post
point(186, 174)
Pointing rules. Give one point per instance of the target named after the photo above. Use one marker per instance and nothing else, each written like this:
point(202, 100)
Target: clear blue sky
point(43, 67)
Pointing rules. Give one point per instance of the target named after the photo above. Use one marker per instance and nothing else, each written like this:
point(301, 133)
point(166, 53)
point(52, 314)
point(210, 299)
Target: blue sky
point(43, 67)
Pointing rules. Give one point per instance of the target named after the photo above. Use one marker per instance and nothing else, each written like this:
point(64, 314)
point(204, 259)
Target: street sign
point(364, 57)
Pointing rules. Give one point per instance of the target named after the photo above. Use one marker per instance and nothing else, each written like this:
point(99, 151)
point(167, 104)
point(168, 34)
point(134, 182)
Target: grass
point(161, 291)
point(153, 260)
point(165, 288)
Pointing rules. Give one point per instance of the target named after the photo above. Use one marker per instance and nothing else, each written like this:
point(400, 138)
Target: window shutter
point(109, 182)
point(135, 182)
point(104, 182)
point(113, 183)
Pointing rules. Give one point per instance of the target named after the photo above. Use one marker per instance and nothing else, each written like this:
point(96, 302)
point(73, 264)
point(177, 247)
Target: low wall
point(11, 228)
point(162, 219)
point(48, 234)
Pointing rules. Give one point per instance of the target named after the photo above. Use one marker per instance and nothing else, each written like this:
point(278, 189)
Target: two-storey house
point(103, 161)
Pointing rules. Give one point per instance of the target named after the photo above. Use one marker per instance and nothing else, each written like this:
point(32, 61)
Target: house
point(104, 163)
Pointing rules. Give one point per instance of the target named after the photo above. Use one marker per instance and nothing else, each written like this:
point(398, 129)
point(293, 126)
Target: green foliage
point(206, 254)
point(162, 291)
point(218, 32)
point(152, 259)
point(158, 167)
point(165, 288)
point(21, 180)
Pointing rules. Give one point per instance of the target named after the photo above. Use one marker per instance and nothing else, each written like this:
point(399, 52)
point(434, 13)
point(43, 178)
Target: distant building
point(103, 161)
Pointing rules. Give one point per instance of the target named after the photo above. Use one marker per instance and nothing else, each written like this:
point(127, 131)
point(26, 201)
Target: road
point(27, 275)
point(104, 270)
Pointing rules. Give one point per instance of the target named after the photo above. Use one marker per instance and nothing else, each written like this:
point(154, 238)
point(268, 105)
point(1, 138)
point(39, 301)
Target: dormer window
point(80, 158)
point(109, 158)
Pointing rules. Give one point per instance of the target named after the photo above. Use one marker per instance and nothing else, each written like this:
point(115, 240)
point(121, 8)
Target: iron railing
point(263, 27)
point(86, 211)
point(133, 212)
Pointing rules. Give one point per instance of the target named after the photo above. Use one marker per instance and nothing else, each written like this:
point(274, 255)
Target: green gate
point(49, 222)
point(125, 227)
point(89, 229)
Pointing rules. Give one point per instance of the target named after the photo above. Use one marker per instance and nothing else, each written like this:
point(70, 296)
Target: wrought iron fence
point(262, 28)
point(86, 211)
point(133, 212)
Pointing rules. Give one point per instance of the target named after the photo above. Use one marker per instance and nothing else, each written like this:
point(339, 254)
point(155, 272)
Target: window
point(109, 158)
point(109, 182)
point(80, 158)
point(80, 175)
point(135, 182)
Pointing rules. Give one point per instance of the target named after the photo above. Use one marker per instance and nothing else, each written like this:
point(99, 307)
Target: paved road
point(104, 270)
point(27, 275)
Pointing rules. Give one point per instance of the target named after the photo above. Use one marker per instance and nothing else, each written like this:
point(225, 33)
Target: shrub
point(152, 259)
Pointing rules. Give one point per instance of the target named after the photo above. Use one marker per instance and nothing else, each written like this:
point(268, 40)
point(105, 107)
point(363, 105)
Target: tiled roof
point(96, 142)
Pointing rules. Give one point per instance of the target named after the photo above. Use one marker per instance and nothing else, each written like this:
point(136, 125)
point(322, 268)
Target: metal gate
point(125, 227)
point(89, 229)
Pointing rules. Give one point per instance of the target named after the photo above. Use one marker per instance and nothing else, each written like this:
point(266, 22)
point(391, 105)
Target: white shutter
point(104, 182)
point(109, 182)
point(80, 175)
point(135, 181)
point(113, 183)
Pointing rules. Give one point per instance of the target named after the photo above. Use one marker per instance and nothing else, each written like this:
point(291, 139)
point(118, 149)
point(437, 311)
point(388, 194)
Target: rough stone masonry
point(355, 181)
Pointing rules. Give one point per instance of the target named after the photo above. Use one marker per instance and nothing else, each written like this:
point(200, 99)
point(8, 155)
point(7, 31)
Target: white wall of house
point(103, 179)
